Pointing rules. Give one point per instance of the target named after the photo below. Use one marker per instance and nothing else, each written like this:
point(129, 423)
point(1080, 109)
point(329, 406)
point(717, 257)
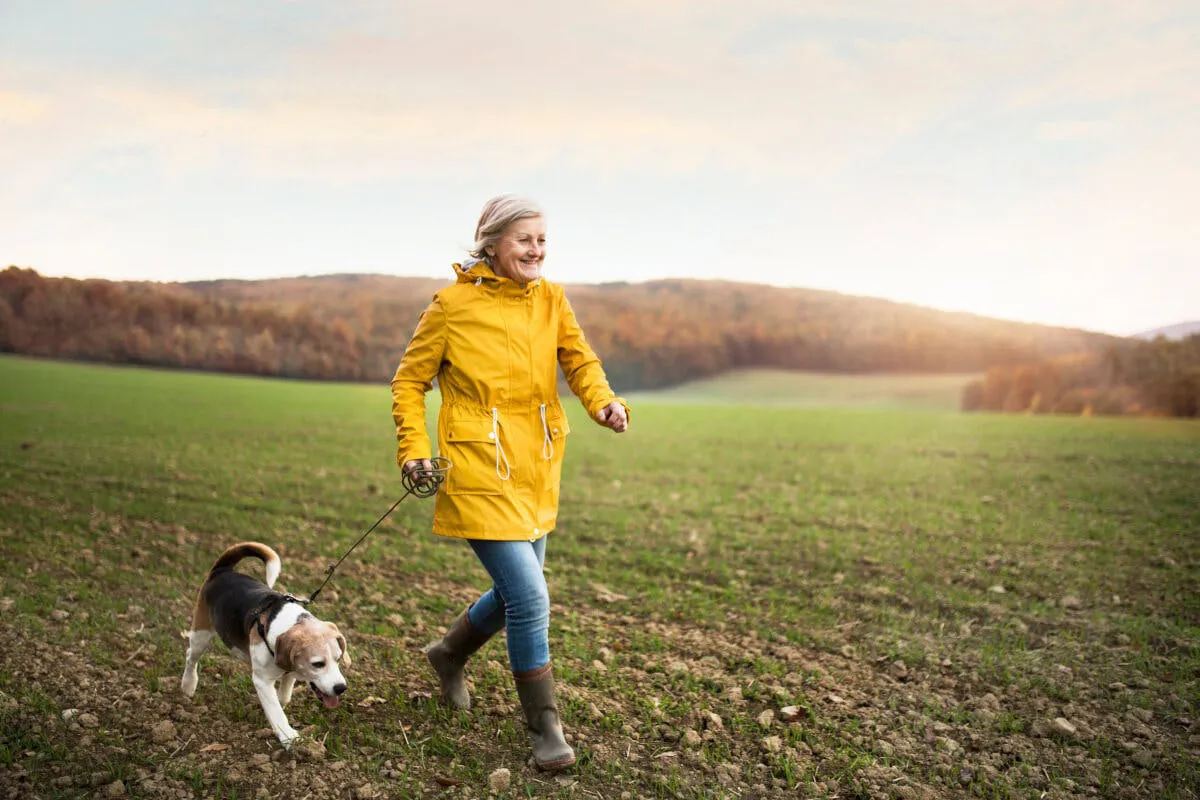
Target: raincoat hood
point(476, 270)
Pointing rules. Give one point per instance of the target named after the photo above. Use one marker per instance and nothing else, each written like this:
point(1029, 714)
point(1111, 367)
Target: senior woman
point(495, 340)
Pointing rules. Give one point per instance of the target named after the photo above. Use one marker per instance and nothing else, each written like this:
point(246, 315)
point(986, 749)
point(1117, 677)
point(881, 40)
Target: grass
point(718, 561)
point(761, 387)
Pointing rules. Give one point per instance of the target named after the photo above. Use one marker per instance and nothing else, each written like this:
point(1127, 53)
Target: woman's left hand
point(613, 416)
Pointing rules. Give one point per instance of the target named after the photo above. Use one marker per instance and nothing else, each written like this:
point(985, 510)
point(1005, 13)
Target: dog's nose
point(339, 689)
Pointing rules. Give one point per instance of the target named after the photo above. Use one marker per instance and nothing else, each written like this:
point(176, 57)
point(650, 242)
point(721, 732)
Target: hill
point(1180, 330)
point(651, 335)
point(662, 333)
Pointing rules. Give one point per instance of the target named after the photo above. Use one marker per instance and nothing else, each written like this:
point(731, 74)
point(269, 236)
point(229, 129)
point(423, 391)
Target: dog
point(273, 631)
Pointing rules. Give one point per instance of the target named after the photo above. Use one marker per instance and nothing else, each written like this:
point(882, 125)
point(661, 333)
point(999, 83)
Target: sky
point(1036, 160)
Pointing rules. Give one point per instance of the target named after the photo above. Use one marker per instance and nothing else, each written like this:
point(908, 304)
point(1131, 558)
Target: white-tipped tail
point(258, 550)
point(274, 565)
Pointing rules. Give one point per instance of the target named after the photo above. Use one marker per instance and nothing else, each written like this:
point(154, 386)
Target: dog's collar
point(268, 610)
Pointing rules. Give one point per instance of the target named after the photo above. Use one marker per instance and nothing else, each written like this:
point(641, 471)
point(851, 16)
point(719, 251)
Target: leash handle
point(420, 482)
point(426, 482)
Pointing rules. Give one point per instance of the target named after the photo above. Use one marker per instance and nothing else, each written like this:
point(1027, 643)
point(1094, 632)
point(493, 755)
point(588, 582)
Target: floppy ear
point(341, 640)
point(285, 646)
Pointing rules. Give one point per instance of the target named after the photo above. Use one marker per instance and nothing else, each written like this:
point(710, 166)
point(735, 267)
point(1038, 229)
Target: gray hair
point(498, 213)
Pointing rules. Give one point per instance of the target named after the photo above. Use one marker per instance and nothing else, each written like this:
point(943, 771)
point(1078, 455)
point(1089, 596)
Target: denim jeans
point(518, 600)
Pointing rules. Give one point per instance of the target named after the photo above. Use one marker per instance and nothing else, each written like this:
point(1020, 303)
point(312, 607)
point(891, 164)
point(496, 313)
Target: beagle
point(282, 641)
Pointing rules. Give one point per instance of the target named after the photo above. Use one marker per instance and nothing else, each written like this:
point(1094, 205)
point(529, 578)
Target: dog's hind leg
point(284, 690)
point(199, 639)
point(198, 644)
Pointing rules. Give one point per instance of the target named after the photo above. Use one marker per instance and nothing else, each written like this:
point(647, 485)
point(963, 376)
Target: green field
point(816, 389)
point(957, 605)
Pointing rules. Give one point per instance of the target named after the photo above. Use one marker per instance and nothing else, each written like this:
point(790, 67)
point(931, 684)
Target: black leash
point(420, 482)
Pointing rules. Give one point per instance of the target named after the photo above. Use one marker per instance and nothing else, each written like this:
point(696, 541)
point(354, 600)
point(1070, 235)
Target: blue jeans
point(518, 600)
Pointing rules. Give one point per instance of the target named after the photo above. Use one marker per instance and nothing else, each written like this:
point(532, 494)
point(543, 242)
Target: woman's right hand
point(613, 416)
point(423, 466)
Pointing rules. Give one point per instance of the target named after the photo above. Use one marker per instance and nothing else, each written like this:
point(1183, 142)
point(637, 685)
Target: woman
point(494, 340)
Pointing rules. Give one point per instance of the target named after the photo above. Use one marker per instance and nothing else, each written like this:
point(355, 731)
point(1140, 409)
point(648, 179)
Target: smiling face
point(520, 251)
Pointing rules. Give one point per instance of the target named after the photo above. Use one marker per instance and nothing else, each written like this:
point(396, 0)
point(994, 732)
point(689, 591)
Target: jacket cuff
point(413, 452)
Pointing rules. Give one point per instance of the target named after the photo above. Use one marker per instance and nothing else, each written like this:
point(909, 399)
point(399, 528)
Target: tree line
point(650, 335)
point(156, 325)
point(1138, 377)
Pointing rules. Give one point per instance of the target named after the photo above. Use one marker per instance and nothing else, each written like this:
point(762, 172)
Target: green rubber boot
point(449, 655)
point(550, 749)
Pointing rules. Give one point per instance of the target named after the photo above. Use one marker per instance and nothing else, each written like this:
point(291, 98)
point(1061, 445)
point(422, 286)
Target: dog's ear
point(285, 646)
point(341, 640)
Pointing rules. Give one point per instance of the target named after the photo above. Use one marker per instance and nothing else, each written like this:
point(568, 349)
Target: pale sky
point(1026, 159)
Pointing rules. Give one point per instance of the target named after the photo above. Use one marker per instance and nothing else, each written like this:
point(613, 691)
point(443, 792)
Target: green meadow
point(773, 387)
point(820, 587)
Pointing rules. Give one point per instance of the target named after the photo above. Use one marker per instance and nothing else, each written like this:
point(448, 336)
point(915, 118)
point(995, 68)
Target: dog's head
point(311, 649)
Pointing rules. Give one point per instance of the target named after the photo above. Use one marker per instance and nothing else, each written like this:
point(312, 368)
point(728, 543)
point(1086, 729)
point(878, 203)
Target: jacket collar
point(480, 273)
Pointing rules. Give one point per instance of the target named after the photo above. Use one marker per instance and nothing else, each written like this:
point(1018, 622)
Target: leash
point(420, 482)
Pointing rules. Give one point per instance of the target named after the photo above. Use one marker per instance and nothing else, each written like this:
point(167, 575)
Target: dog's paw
point(288, 738)
point(188, 686)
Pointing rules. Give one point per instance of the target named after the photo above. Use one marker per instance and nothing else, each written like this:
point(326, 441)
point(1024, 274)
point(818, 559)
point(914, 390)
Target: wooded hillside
point(355, 327)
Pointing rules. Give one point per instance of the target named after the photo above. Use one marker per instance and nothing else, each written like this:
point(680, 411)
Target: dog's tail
point(250, 550)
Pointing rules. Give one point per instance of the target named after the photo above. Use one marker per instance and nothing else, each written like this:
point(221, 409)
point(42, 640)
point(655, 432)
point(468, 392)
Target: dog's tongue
point(330, 700)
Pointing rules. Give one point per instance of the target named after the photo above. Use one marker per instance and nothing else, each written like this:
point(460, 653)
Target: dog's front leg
point(265, 688)
point(284, 692)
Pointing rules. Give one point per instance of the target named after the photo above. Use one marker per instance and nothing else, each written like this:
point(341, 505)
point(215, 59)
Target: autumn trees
point(1133, 377)
point(164, 325)
point(651, 335)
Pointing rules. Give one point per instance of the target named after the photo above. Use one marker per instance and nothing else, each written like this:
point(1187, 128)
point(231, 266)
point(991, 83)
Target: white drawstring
point(547, 442)
point(479, 280)
point(500, 454)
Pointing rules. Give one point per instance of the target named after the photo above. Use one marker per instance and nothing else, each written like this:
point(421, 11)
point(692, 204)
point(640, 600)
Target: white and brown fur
point(296, 645)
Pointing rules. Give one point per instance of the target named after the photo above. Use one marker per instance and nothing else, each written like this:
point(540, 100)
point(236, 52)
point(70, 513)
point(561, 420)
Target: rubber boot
point(448, 656)
point(536, 690)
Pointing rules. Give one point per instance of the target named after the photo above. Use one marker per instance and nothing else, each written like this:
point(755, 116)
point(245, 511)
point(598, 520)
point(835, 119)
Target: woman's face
point(519, 253)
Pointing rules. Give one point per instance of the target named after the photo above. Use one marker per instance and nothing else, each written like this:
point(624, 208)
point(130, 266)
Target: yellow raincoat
point(494, 347)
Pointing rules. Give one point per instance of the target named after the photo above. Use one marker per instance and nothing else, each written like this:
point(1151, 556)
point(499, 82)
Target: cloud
point(1002, 145)
point(18, 109)
point(408, 89)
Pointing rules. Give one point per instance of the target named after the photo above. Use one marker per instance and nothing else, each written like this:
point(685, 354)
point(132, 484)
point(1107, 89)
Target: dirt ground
point(173, 748)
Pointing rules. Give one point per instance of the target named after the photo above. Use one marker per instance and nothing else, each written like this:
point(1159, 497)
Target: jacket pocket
point(470, 444)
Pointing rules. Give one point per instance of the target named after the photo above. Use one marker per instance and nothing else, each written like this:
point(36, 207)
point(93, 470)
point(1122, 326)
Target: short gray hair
point(498, 213)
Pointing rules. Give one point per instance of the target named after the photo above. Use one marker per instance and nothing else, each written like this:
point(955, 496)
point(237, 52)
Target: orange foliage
point(355, 327)
point(1159, 377)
